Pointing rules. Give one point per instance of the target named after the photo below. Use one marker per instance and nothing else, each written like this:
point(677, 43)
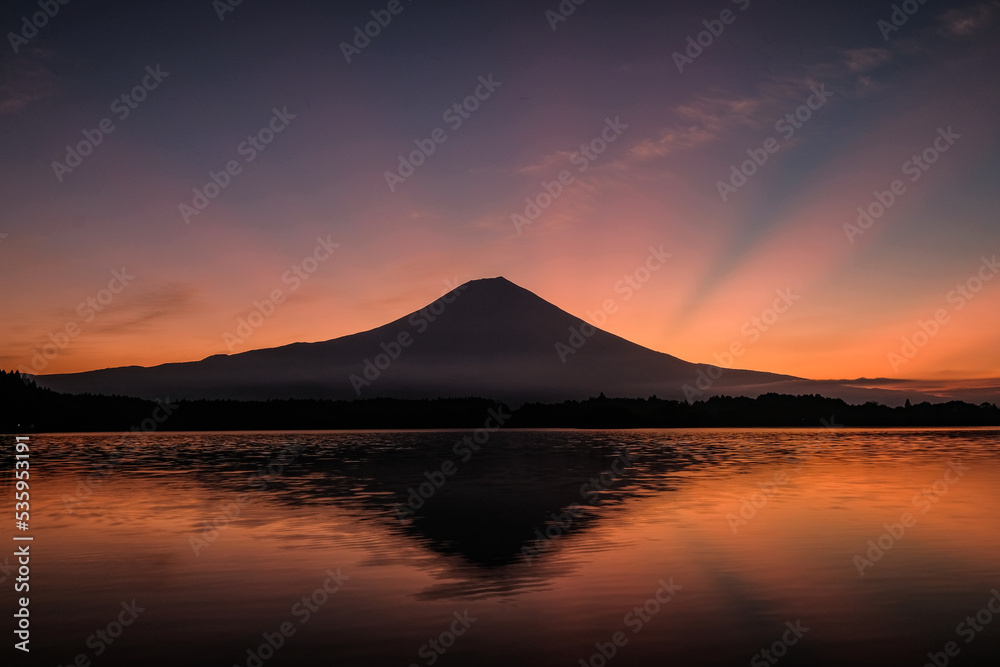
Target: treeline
point(27, 408)
point(767, 410)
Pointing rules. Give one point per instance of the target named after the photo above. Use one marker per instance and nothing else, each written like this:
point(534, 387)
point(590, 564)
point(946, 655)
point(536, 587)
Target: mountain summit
point(487, 338)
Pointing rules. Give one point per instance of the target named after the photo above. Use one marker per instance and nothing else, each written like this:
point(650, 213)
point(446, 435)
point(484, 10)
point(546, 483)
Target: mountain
point(487, 338)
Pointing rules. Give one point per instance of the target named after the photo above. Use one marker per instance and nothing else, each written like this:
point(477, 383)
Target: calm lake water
point(653, 547)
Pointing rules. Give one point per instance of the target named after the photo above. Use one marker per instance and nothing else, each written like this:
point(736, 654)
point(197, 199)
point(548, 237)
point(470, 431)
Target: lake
point(552, 547)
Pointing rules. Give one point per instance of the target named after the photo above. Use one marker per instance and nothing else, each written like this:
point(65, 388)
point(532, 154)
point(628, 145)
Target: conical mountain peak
point(488, 337)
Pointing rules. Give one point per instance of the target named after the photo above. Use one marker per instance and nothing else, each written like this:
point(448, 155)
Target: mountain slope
point(487, 338)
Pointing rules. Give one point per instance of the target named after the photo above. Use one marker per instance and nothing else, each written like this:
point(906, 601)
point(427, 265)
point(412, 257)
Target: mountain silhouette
point(487, 338)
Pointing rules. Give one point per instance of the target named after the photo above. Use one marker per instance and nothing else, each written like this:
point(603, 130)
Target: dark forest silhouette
point(25, 407)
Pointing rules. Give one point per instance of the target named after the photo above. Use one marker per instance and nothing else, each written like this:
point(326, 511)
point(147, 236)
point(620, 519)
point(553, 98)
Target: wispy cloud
point(963, 22)
point(25, 80)
point(146, 308)
point(705, 118)
point(865, 59)
point(547, 163)
point(712, 116)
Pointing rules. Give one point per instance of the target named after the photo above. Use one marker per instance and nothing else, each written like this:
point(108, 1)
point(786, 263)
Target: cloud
point(547, 163)
point(670, 141)
point(26, 79)
point(704, 119)
point(145, 308)
point(707, 117)
point(963, 22)
point(710, 117)
point(862, 60)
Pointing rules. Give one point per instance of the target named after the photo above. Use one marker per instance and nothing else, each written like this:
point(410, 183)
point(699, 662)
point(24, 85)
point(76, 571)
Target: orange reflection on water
point(148, 536)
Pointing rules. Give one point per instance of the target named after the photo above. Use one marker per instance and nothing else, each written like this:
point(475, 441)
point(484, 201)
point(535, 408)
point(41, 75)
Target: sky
point(813, 185)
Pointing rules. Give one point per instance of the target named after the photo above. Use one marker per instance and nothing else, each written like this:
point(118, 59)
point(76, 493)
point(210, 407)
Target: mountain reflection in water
point(549, 539)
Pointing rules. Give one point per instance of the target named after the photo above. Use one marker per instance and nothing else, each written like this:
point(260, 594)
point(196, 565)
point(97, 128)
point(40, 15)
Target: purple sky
point(833, 105)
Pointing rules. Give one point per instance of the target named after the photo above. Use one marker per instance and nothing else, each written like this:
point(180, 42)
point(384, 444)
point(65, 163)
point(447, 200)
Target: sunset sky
point(670, 129)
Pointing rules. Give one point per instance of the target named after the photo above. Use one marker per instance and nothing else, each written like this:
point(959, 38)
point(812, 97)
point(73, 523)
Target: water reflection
point(645, 506)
